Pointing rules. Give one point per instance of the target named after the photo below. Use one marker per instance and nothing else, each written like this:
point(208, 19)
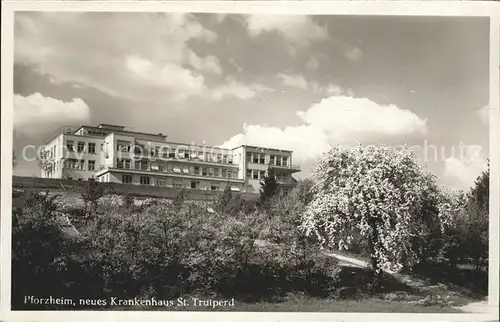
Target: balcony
point(186, 159)
point(288, 167)
point(150, 171)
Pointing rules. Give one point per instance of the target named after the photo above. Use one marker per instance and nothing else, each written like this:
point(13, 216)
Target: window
point(255, 175)
point(73, 163)
point(262, 174)
point(230, 159)
point(177, 183)
point(249, 173)
point(272, 159)
point(145, 180)
point(144, 165)
point(123, 146)
point(154, 167)
point(203, 171)
point(177, 169)
point(249, 156)
point(92, 148)
point(119, 163)
point(255, 158)
point(197, 170)
point(219, 157)
point(91, 165)
point(195, 185)
point(278, 160)
point(127, 178)
point(210, 172)
point(214, 186)
point(127, 164)
point(69, 145)
point(224, 159)
point(80, 146)
point(285, 161)
point(231, 174)
point(224, 173)
point(216, 172)
point(262, 158)
point(185, 169)
point(160, 182)
point(164, 153)
point(161, 166)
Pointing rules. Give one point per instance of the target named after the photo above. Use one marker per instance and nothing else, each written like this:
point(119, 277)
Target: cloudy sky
point(293, 82)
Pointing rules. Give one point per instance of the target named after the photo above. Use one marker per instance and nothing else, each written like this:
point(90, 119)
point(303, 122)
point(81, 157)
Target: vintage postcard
point(275, 161)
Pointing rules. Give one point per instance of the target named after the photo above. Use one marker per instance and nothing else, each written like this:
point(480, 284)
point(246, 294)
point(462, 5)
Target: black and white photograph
point(250, 162)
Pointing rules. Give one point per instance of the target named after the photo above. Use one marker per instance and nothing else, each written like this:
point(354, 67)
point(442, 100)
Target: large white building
point(110, 153)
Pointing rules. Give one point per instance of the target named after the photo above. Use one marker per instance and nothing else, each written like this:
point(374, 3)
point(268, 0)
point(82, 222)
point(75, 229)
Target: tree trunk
point(372, 241)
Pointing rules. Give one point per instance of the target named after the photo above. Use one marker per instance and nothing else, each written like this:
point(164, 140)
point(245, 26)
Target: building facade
point(110, 153)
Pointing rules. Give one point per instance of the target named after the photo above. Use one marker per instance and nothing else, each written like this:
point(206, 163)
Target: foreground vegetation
point(266, 254)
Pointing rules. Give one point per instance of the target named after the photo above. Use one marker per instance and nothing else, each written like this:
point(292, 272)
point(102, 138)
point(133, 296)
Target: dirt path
point(472, 307)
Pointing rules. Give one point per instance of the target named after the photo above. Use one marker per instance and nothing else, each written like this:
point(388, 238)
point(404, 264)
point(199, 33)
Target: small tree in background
point(224, 200)
point(92, 192)
point(476, 226)
point(268, 187)
point(304, 191)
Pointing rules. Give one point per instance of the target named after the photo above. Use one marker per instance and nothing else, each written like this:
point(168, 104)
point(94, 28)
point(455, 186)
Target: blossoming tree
point(378, 193)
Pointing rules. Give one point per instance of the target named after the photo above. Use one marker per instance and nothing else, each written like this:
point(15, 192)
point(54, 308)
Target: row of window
point(79, 164)
point(167, 153)
point(144, 180)
point(187, 169)
point(254, 157)
point(97, 133)
point(80, 146)
point(259, 175)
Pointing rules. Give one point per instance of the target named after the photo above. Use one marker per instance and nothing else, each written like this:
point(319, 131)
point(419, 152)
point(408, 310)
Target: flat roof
point(121, 131)
point(262, 147)
point(110, 125)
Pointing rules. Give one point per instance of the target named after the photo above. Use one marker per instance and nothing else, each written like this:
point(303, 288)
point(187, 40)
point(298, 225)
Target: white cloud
point(94, 50)
point(335, 90)
point(169, 77)
point(353, 53)
point(35, 113)
point(294, 80)
point(209, 63)
point(334, 120)
point(466, 166)
point(235, 89)
point(298, 29)
point(312, 64)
